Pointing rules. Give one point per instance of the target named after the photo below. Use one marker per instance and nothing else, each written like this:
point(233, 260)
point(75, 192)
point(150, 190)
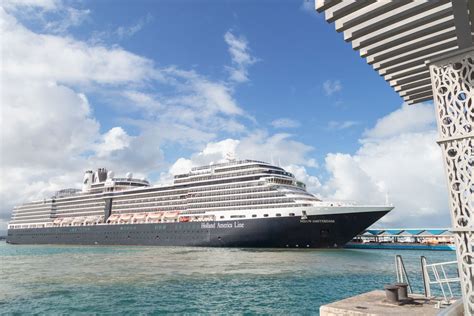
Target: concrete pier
point(374, 304)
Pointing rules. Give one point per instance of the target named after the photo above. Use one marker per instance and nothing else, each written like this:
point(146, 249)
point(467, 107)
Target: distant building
point(406, 235)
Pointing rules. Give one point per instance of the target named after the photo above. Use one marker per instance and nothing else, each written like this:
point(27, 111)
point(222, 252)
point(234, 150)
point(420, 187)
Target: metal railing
point(402, 276)
point(440, 274)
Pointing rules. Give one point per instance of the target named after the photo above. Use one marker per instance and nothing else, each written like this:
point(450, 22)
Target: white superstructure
point(242, 189)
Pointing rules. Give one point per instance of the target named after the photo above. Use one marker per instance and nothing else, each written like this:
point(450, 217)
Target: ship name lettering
point(208, 225)
point(319, 221)
point(239, 225)
point(224, 225)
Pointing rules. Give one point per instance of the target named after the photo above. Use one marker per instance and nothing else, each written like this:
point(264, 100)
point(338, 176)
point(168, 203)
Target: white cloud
point(398, 157)
point(217, 97)
point(313, 184)
point(66, 60)
point(51, 15)
point(285, 123)
point(241, 57)
point(340, 125)
point(279, 148)
point(332, 86)
point(37, 4)
point(128, 31)
point(68, 17)
point(115, 139)
point(141, 100)
point(407, 119)
point(44, 126)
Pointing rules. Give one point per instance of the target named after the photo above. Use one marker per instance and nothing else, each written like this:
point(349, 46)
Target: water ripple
point(151, 280)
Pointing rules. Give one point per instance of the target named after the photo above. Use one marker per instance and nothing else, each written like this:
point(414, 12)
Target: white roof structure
point(397, 37)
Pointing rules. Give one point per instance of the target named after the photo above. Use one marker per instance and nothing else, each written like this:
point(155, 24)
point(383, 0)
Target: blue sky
point(296, 51)
point(159, 86)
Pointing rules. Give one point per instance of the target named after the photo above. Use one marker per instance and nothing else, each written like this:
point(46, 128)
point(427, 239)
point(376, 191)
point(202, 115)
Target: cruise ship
point(238, 203)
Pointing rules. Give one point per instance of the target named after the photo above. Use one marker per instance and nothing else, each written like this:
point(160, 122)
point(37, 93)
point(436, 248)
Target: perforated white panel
point(453, 93)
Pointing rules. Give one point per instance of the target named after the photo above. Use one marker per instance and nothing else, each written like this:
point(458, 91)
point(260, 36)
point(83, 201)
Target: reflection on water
point(99, 279)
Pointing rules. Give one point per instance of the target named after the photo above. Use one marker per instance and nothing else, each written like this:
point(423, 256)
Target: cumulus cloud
point(285, 123)
point(115, 139)
point(44, 126)
point(241, 57)
point(399, 157)
point(407, 119)
point(332, 86)
point(65, 60)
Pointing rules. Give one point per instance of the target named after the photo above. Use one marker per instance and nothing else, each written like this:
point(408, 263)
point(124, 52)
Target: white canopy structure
point(424, 50)
point(398, 37)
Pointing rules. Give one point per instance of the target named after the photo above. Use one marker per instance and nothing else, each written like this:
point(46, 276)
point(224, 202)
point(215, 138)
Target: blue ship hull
point(326, 231)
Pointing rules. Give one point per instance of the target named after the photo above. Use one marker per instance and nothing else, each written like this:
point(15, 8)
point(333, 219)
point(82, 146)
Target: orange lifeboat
point(184, 219)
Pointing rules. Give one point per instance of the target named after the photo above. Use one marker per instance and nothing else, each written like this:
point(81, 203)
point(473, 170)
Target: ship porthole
point(219, 238)
point(128, 237)
point(157, 237)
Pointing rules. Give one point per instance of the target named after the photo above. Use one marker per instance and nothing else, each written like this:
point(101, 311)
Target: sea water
point(153, 280)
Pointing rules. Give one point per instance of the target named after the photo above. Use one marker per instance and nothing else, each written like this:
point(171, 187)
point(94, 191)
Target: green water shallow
point(155, 280)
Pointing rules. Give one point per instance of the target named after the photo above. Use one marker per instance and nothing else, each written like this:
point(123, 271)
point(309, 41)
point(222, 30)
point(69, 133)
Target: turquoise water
point(153, 280)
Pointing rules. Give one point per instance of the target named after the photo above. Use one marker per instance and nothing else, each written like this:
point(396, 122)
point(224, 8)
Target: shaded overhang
point(398, 37)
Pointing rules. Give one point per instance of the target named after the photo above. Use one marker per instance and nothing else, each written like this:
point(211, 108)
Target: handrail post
point(426, 278)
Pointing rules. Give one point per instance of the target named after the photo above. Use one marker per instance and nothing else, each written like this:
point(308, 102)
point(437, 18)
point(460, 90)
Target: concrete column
point(452, 79)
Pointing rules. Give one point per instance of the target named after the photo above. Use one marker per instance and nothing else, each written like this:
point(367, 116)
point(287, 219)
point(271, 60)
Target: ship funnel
point(101, 175)
point(129, 175)
point(87, 181)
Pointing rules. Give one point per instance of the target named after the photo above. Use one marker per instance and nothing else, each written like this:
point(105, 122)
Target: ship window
point(237, 216)
point(277, 214)
point(292, 214)
point(265, 215)
point(254, 215)
point(222, 216)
